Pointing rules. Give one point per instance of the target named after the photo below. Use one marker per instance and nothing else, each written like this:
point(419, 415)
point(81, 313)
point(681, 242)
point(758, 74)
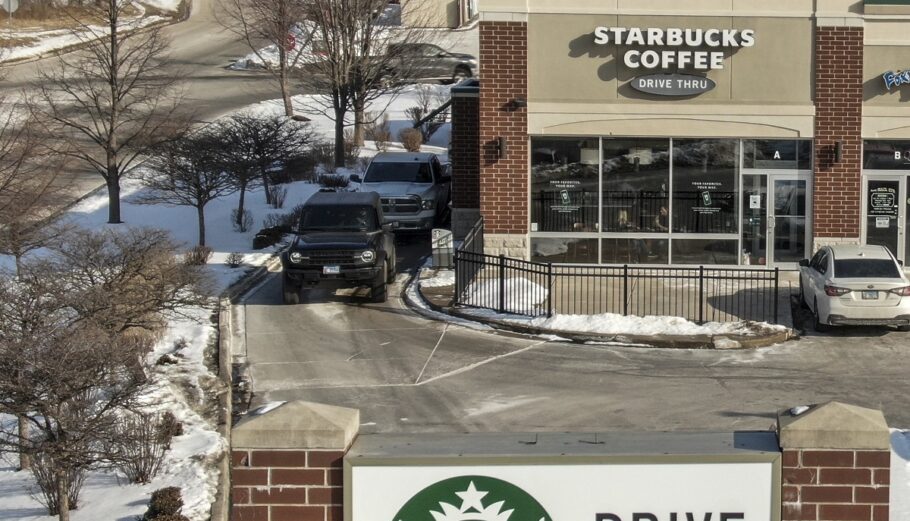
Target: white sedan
point(855, 285)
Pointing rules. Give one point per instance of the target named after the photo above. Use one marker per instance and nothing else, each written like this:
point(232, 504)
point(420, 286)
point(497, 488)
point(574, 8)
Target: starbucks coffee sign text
point(699, 49)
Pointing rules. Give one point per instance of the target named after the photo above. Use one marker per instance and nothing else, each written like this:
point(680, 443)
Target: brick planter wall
point(504, 78)
point(835, 485)
point(286, 485)
point(465, 155)
point(839, 117)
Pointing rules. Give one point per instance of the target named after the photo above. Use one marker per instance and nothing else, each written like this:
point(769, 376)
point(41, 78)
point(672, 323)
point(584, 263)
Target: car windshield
point(338, 218)
point(866, 268)
point(414, 172)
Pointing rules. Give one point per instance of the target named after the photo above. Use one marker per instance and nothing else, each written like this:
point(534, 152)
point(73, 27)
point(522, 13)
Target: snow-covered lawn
point(38, 42)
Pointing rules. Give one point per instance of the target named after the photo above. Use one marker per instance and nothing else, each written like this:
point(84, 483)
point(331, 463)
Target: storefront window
point(704, 251)
point(564, 251)
point(636, 175)
point(564, 184)
point(775, 154)
point(635, 251)
point(886, 155)
point(705, 173)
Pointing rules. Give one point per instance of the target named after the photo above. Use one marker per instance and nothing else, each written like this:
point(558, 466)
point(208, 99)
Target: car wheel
point(819, 326)
point(290, 291)
point(390, 278)
point(379, 290)
point(903, 328)
point(461, 73)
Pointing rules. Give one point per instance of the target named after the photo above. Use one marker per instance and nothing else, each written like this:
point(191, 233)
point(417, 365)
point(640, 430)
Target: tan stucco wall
point(765, 90)
point(886, 114)
point(429, 13)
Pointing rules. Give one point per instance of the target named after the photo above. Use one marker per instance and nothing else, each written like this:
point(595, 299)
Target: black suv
point(340, 242)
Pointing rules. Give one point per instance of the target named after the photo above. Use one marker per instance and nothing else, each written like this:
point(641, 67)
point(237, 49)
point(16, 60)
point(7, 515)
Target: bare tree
point(187, 173)
point(281, 24)
point(112, 101)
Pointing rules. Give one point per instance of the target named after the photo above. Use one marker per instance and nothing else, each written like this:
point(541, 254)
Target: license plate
point(331, 270)
point(870, 295)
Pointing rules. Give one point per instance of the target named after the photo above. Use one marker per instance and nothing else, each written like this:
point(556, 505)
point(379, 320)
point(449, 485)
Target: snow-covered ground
point(38, 42)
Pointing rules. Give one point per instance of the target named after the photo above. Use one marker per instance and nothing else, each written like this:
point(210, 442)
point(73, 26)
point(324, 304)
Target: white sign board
point(754, 202)
point(882, 222)
point(559, 492)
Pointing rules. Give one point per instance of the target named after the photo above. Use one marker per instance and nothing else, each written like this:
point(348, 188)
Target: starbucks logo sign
point(472, 498)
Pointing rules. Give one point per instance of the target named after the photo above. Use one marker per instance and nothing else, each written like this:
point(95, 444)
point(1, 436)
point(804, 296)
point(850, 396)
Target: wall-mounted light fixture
point(501, 147)
point(838, 148)
point(519, 103)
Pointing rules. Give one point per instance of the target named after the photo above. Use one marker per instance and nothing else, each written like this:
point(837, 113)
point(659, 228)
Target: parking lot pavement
point(408, 374)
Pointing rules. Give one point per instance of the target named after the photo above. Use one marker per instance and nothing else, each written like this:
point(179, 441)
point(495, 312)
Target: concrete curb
point(221, 508)
point(644, 341)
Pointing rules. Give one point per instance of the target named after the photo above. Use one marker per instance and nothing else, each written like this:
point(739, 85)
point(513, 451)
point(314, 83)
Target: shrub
point(268, 236)
point(44, 468)
point(333, 181)
point(139, 447)
point(198, 256)
point(411, 139)
point(164, 502)
point(301, 167)
point(172, 517)
point(324, 154)
point(243, 224)
point(379, 131)
point(278, 195)
point(166, 359)
point(234, 260)
point(168, 428)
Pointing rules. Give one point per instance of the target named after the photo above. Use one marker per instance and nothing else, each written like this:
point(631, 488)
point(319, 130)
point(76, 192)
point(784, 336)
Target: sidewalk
point(437, 296)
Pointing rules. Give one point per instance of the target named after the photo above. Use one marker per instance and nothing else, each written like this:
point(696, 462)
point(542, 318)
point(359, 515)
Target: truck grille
point(330, 258)
point(400, 205)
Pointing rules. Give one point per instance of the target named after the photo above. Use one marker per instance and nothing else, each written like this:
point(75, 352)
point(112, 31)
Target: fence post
point(776, 292)
point(502, 283)
point(549, 289)
point(701, 294)
point(625, 290)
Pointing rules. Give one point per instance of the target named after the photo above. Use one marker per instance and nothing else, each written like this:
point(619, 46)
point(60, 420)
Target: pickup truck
point(340, 242)
point(414, 187)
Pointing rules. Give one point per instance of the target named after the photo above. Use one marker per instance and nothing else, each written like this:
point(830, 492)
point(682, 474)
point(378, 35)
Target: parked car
point(414, 188)
point(340, 242)
point(855, 285)
point(425, 61)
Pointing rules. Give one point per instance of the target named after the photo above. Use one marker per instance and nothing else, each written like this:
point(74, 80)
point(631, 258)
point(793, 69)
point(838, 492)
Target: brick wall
point(286, 485)
point(465, 155)
point(504, 78)
point(839, 113)
point(842, 485)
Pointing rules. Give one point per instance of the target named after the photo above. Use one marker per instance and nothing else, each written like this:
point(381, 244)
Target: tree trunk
point(200, 212)
point(339, 137)
point(359, 124)
point(25, 460)
point(63, 497)
point(240, 207)
point(285, 88)
point(265, 187)
point(113, 199)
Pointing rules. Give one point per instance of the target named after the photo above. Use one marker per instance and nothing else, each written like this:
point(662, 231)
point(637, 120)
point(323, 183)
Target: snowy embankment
point(37, 42)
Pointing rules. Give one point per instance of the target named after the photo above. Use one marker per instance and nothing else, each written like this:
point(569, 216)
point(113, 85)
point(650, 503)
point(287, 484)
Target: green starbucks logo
point(472, 498)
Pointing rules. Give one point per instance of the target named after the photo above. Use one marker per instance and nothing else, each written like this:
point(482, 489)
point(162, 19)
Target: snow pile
point(441, 279)
point(520, 294)
point(611, 323)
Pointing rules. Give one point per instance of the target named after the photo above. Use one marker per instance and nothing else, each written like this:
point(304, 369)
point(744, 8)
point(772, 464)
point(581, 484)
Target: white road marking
point(433, 352)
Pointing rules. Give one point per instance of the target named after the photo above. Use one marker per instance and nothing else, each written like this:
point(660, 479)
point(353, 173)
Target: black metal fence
point(700, 294)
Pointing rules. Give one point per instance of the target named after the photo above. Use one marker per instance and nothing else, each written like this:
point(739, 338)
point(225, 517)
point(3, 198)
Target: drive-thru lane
point(406, 373)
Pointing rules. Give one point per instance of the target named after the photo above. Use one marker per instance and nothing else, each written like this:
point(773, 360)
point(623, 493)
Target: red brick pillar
point(838, 118)
point(286, 465)
point(504, 136)
point(465, 158)
point(836, 464)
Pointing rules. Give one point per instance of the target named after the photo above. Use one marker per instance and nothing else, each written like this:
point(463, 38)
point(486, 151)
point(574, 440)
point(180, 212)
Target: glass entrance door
point(885, 211)
point(787, 222)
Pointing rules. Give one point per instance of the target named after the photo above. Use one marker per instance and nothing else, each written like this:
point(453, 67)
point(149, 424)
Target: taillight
point(904, 292)
point(834, 291)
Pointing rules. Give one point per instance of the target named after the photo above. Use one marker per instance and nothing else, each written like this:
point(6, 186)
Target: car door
point(818, 273)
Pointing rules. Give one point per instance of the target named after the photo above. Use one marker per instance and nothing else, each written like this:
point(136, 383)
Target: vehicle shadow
point(804, 321)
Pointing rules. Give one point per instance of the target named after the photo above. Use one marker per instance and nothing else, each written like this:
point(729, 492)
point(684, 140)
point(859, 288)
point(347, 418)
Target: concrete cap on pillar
point(834, 425)
point(297, 425)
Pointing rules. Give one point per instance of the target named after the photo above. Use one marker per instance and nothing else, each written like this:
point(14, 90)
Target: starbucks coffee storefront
point(686, 133)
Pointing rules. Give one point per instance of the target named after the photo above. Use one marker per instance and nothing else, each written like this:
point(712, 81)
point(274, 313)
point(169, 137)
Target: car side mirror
point(804, 263)
point(900, 263)
point(356, 178)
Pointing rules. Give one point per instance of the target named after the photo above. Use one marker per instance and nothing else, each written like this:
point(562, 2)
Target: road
point(201, 51)
point(409, 374)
